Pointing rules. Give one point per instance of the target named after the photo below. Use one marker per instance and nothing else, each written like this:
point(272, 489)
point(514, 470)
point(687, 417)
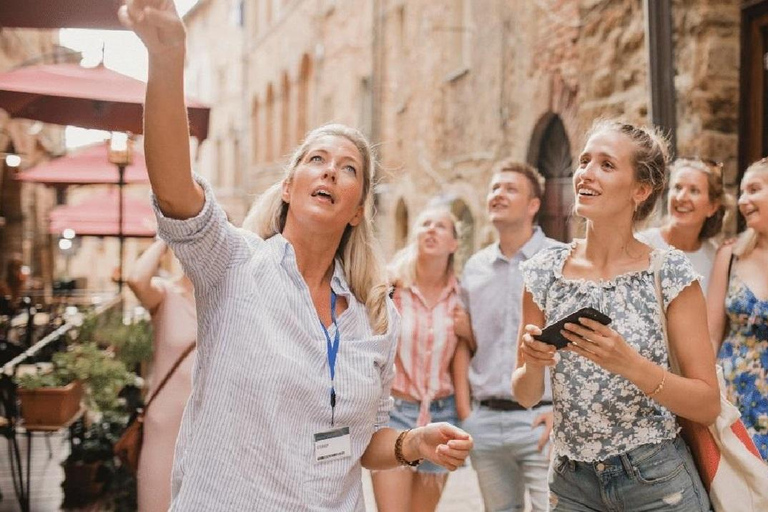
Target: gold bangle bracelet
point(660, 386)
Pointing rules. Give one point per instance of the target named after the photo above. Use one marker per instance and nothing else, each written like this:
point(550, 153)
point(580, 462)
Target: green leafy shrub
point(52, 379)
point(103, 375)
point(132, 342)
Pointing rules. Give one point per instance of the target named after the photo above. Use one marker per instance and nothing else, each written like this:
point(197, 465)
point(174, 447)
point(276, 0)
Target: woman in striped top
point(296, 335)
point(426, 293)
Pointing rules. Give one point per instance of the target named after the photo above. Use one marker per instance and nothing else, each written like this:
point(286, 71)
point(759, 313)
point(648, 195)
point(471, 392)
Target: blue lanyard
point(333, 350)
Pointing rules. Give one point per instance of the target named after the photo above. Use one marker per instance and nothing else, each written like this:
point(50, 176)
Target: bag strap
point(656, 264)
point(168, 375)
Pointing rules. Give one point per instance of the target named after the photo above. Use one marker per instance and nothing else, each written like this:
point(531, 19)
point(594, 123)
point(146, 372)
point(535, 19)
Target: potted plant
point(103, 375)
point(49, 398)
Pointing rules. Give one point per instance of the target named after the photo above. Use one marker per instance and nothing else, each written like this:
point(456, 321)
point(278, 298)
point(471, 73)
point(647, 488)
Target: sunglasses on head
point(714, 166)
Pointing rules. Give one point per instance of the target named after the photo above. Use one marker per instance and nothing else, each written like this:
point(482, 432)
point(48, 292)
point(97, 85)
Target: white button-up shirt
point(262, 383)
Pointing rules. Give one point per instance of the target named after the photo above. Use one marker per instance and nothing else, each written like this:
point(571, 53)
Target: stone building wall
point(214, 76)
point(707, 80)
point(447, 88)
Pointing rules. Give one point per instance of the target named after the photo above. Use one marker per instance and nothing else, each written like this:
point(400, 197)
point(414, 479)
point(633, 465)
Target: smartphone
point(551, 333)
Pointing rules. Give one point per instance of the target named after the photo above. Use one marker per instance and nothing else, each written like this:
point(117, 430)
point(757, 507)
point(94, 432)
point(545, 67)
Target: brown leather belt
point(504, 404)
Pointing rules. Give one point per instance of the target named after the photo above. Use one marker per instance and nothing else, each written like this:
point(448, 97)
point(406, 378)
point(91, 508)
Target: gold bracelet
point(660, 386)
point(399, 451)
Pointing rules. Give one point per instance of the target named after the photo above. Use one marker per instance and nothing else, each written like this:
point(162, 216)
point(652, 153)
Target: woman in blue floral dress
point(615, 433)
point(738, 308)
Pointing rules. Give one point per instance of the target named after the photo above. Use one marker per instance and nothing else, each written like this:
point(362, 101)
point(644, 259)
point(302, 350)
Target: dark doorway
point(550, 153)
point(753, 122)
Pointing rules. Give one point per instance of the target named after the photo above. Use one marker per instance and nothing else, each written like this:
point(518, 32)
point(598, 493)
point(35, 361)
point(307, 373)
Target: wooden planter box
point(50, 406)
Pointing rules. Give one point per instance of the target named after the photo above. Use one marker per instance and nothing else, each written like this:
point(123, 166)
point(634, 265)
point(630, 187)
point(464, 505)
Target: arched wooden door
point(753, 132)
point(550, 153)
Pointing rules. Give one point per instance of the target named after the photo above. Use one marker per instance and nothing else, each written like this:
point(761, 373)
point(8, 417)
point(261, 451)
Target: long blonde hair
point(748, 239)
point(359, 249)
point(402, 270)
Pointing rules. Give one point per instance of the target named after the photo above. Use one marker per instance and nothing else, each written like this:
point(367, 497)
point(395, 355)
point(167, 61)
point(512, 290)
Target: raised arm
point(166, 128)
point(718, 287)
point(140, 279)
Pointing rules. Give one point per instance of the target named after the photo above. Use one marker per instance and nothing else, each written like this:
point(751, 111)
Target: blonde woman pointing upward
point(296, 334)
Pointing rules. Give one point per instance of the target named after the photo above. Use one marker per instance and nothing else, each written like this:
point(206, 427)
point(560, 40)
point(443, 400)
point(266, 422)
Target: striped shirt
point(261, 385)
point(426, 346)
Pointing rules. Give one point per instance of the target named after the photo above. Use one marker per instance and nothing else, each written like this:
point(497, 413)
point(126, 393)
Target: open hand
point(444, 444)
point(156, 22)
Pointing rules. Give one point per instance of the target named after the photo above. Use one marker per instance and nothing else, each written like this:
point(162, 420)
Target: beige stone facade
point(446, 88)
point(214, 75)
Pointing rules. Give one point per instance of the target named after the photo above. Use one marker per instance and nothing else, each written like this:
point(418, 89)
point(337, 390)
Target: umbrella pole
point(121, 237)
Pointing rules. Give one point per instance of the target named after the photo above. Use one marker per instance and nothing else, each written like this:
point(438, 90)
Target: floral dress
point(598, 414)
point(744, 357)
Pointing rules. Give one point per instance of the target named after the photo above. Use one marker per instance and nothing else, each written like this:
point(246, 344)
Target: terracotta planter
point(50, 406)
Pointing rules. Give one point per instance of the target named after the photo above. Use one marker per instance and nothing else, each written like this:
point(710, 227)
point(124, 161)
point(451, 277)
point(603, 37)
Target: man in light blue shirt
point(510, 453)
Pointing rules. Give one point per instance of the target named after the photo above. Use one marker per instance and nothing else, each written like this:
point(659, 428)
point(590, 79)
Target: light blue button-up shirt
point(492, 289)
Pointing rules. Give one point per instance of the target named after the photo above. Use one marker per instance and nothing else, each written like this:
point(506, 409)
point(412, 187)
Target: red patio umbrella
point(98, 216)
point(86, 166)
point(69, 94)
point(60, 14)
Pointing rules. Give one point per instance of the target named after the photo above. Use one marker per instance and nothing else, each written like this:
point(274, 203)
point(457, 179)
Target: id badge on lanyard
point(336, 443)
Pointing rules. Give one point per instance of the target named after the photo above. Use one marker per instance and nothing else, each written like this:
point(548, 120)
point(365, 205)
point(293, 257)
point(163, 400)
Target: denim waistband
point(622, 461)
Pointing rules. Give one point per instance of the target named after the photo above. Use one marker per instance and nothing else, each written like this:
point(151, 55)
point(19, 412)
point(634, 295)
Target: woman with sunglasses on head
point(615, 401)
point(695, 212)
point(738, 308)
point(425, 293)
point(296, 334)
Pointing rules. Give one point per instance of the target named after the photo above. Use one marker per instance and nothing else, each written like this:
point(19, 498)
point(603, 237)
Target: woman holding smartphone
point(615, 400)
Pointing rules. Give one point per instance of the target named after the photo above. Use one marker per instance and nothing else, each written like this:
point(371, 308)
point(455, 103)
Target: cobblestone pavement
point(461, 492)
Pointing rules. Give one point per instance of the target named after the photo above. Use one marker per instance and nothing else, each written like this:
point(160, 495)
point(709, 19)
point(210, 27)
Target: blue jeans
point(405, 413)
point(506, 458)
point(650, 477)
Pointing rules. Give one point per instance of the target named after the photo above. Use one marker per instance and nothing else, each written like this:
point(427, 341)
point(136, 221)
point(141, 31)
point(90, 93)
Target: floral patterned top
point(598, 414)
point(744, 356)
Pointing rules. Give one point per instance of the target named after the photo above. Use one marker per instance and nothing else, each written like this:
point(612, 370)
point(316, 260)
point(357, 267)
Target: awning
point(60, 14)
point(99, 98)
point(98, 216)
point(85, 166)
